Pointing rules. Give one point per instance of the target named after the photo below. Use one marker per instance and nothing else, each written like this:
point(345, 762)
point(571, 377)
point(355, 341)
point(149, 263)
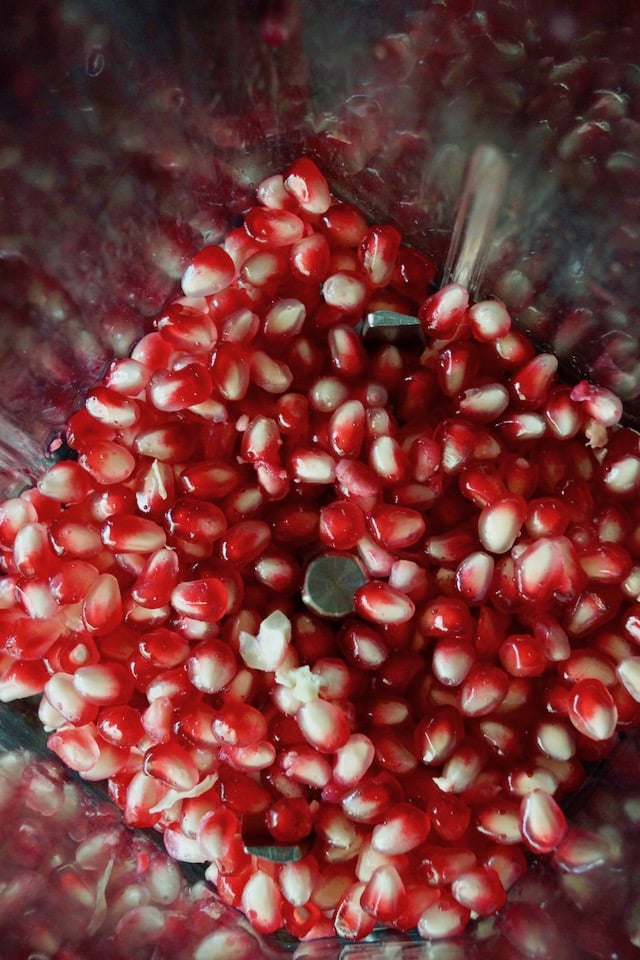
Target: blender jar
point(132, 134)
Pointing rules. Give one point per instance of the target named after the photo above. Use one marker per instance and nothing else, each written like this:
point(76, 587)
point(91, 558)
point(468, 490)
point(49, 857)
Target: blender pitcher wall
point(133, 133)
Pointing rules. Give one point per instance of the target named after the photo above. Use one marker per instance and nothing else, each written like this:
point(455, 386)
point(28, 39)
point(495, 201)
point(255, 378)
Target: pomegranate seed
point(345, 290)
point(178, 389)
point(599, 403)
point(127, 377)
point(102, 605)
point(484, 403)
point(271, 193)
point(474, 576)
point(310, 259)
point(384, 895)
point(378, 602)
point(107, 462)
point(542, 822)
point(77, 748)
point(351, 921)
point(102, 684)
point(277, 228)
point(531, 383)
point(204, 600)
point(262, 268)
point(489, 320)
point(210, 271)
point(127, 534)
point(592, 710)
point(500, 523)
point(521, 656)
point(442, 313)
point(401, 831)
point(324, 725)
point(480, 890)
point(306, 183)
point(443, 919)
point(65, 481)
point(377, 253)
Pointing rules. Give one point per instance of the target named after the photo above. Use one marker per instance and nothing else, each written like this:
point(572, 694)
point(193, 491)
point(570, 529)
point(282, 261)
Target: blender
point(135, 134)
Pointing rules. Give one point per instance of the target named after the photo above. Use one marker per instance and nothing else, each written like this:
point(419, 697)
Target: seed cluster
point(404, 758)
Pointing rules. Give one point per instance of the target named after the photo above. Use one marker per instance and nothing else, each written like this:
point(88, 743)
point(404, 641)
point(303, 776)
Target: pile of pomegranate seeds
point(394, 765)
point(77, 885)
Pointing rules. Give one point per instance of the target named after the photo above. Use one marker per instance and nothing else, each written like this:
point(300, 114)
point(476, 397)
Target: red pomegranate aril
point(324, 725)
point(446, 617)
point(173, 390)
point(563, 416)
point(111, 408)
point(341, 524)
point(172, 765)
point(127, 377)
point(35, 598)
point(204, 600)
point(463, 441)
point(442, 313)
point(187, 328)
point(107, 462)
point(353, 760)
point(230, 373)
point(489, 320)
point(443, 919)
point(396, 527)
point(484, 403)
point(284, 319)
point(15, 514)
point(480, 890)
point(65, 481)
point(380, 603)
point(384, 895)
point(262, 268)
point(521, 656)
point(484, 689)
point(102, 605)
point(274, 227)
point(210, 271)
point(32, 553)
point(452, 660)
point(598, 402)
point(30, 640)
point(377, 253)
point(120, 725)
point(61, 694)
point(304, 181)
point(474, 576)
point(348, 357)
point(542, 822)
point(401, 831)
point(592, 710)
point(22, 679)
point(155, 582)
point(73, 539)
point(131, 534)
point(270, 192)
point(499, 524)
point(310, 259)
point(103, 684)
point(239, 724)
point(345, 290)
point(351, 920)
point(531, 383)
